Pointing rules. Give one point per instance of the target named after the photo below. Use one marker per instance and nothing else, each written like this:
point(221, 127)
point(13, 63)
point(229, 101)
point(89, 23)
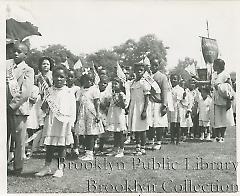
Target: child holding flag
point(116, 116)
point(88, 118)
point(60, 106)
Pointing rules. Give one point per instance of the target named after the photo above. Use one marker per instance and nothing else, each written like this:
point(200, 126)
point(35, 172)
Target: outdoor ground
point(134, 178)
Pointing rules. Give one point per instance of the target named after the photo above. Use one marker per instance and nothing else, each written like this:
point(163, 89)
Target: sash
point(152, 82)
point(85, 101)
point(11, 79)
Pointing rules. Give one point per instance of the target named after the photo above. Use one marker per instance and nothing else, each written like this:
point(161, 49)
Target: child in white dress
point(60, 106)
point(204, 105)
point(116, 117)
point(177, 95)
point(74, 89)
point(105, 97)
point(185, 108)
point(139, 98)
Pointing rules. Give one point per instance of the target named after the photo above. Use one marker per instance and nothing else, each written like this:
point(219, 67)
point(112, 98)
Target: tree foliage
point(59, 53)
point(180, 68)
point(125, 54)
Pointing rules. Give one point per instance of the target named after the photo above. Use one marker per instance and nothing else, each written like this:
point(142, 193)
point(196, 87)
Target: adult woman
point(43, 80)
point(45, 65)
point(222, 114)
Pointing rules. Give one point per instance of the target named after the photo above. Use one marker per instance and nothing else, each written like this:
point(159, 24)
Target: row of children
point(145, 106)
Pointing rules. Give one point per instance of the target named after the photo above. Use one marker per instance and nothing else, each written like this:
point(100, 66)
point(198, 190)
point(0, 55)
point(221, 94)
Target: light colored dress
point(105, 98)
point(204, 107)
point(219, 116)
point(138, 90)
point(116, 116)
point(155, 119)
point(86, 117)
point(32, 119)
point(185, 106)
point(177, 95)
point(74, 89)
point(57, 129)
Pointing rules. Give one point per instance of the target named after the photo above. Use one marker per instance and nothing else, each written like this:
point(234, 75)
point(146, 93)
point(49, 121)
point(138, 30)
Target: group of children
point(78, 112)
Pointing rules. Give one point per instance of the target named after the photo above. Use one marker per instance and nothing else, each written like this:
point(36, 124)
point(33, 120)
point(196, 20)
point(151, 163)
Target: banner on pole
point(209, 50)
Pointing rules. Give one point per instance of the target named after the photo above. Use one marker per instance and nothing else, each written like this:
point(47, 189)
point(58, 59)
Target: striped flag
point(96, 76)
point(43, 84)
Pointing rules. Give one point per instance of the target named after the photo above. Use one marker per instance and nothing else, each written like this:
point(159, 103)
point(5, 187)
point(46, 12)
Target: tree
point(132, 52)
point(154, 47)
point(106, 59)
point(33, 57)
point(180, 68)
point(59, 53)
point(126, 53)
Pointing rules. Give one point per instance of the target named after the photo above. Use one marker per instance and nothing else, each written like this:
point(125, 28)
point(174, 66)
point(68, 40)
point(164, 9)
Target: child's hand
point(187, 114)
point(143, 115)
point(163, 110)
point(229, 104)
point(97, 120)
point(184, 95)
point(32, 100)
point(45, 107)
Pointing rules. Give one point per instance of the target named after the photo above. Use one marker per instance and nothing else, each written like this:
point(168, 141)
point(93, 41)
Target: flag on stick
point(78, 64)
point(66, 64)
point(191, 69)
point(120, 73)
point(96, 76)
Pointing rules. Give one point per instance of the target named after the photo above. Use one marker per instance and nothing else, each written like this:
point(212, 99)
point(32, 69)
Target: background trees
point(126, 54)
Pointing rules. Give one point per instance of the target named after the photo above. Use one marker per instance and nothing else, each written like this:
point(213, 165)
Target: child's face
point(20, 53)
point(174, 80)
point(115, 86)
point(139, 71)
point(87, 84)
point(127, 74)
point(154, 67)
point(45, 65)
point(59, 78)
point(191, 85)
point(70, 78)
point(183, 84)
point(102, 85)
point(204, 94)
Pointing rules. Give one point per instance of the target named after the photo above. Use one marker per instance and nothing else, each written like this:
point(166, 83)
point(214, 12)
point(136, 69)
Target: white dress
point(116, 116)
point(177, 95)
point(155, 119)
point(185, 106)
point(219, 116)
point(204, 107)
point(138, 90)
point(57, 130)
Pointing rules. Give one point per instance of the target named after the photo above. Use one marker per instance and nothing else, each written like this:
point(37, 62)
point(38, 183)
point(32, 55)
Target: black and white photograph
point(120, 96)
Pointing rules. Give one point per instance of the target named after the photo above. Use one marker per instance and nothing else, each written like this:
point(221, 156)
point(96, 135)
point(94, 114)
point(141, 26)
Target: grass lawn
point(158, 171)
